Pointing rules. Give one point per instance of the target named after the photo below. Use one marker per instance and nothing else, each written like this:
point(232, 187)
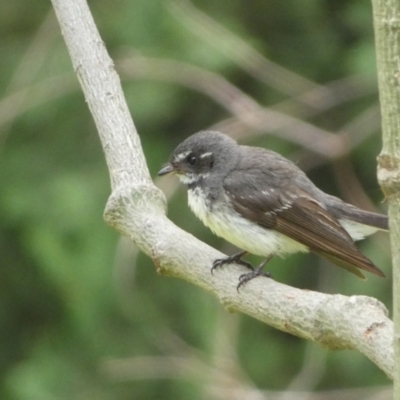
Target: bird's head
point(198, 156)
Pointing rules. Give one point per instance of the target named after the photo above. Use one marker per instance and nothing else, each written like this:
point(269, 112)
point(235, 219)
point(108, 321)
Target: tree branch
point(136, 208)
point(387, 38)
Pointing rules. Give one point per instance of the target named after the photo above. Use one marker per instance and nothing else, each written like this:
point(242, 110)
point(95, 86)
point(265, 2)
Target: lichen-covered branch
point(136, 208)
point(387, 41)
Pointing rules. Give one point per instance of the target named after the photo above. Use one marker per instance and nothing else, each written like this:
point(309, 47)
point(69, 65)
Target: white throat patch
point(187, 179)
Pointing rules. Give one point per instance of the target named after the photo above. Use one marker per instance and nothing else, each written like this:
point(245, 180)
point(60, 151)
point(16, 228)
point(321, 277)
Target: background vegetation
point(83, 315)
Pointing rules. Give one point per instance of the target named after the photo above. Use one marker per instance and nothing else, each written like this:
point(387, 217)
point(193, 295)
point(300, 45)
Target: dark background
point(83, 315)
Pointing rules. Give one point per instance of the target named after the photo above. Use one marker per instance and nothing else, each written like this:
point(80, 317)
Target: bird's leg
point(253, 274)
point(236, 258)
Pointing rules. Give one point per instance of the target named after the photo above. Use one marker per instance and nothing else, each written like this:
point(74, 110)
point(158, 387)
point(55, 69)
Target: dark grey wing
point(297, 215)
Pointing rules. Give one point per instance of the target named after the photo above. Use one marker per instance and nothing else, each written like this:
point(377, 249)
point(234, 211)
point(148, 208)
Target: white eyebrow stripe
point(181, 156)
point(208, 154)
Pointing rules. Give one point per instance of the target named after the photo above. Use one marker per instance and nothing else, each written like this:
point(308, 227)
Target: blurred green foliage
point(83, 316)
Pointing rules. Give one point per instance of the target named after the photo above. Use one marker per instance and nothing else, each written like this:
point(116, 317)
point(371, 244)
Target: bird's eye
point(192, 160)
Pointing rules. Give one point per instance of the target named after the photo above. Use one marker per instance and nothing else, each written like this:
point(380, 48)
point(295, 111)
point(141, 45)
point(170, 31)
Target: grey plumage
point(264, 204)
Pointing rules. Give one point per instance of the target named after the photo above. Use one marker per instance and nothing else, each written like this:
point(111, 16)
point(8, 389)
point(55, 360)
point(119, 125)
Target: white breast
point(246, 235)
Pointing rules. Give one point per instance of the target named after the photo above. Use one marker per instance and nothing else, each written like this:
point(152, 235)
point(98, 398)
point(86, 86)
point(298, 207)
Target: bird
point(265, 205)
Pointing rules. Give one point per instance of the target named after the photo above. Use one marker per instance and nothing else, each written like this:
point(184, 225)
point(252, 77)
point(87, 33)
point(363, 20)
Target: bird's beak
point(167, 169)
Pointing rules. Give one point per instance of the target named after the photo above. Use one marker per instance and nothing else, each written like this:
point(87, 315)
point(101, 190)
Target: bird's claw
point(244, 278)
point(236, 258)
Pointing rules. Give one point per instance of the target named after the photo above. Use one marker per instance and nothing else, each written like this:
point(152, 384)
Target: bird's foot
point(244, 278)
point(236, 258)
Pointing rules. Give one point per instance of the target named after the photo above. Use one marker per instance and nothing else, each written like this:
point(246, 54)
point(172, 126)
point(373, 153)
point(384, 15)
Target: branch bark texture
point(387, 41)
point(136, 208)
